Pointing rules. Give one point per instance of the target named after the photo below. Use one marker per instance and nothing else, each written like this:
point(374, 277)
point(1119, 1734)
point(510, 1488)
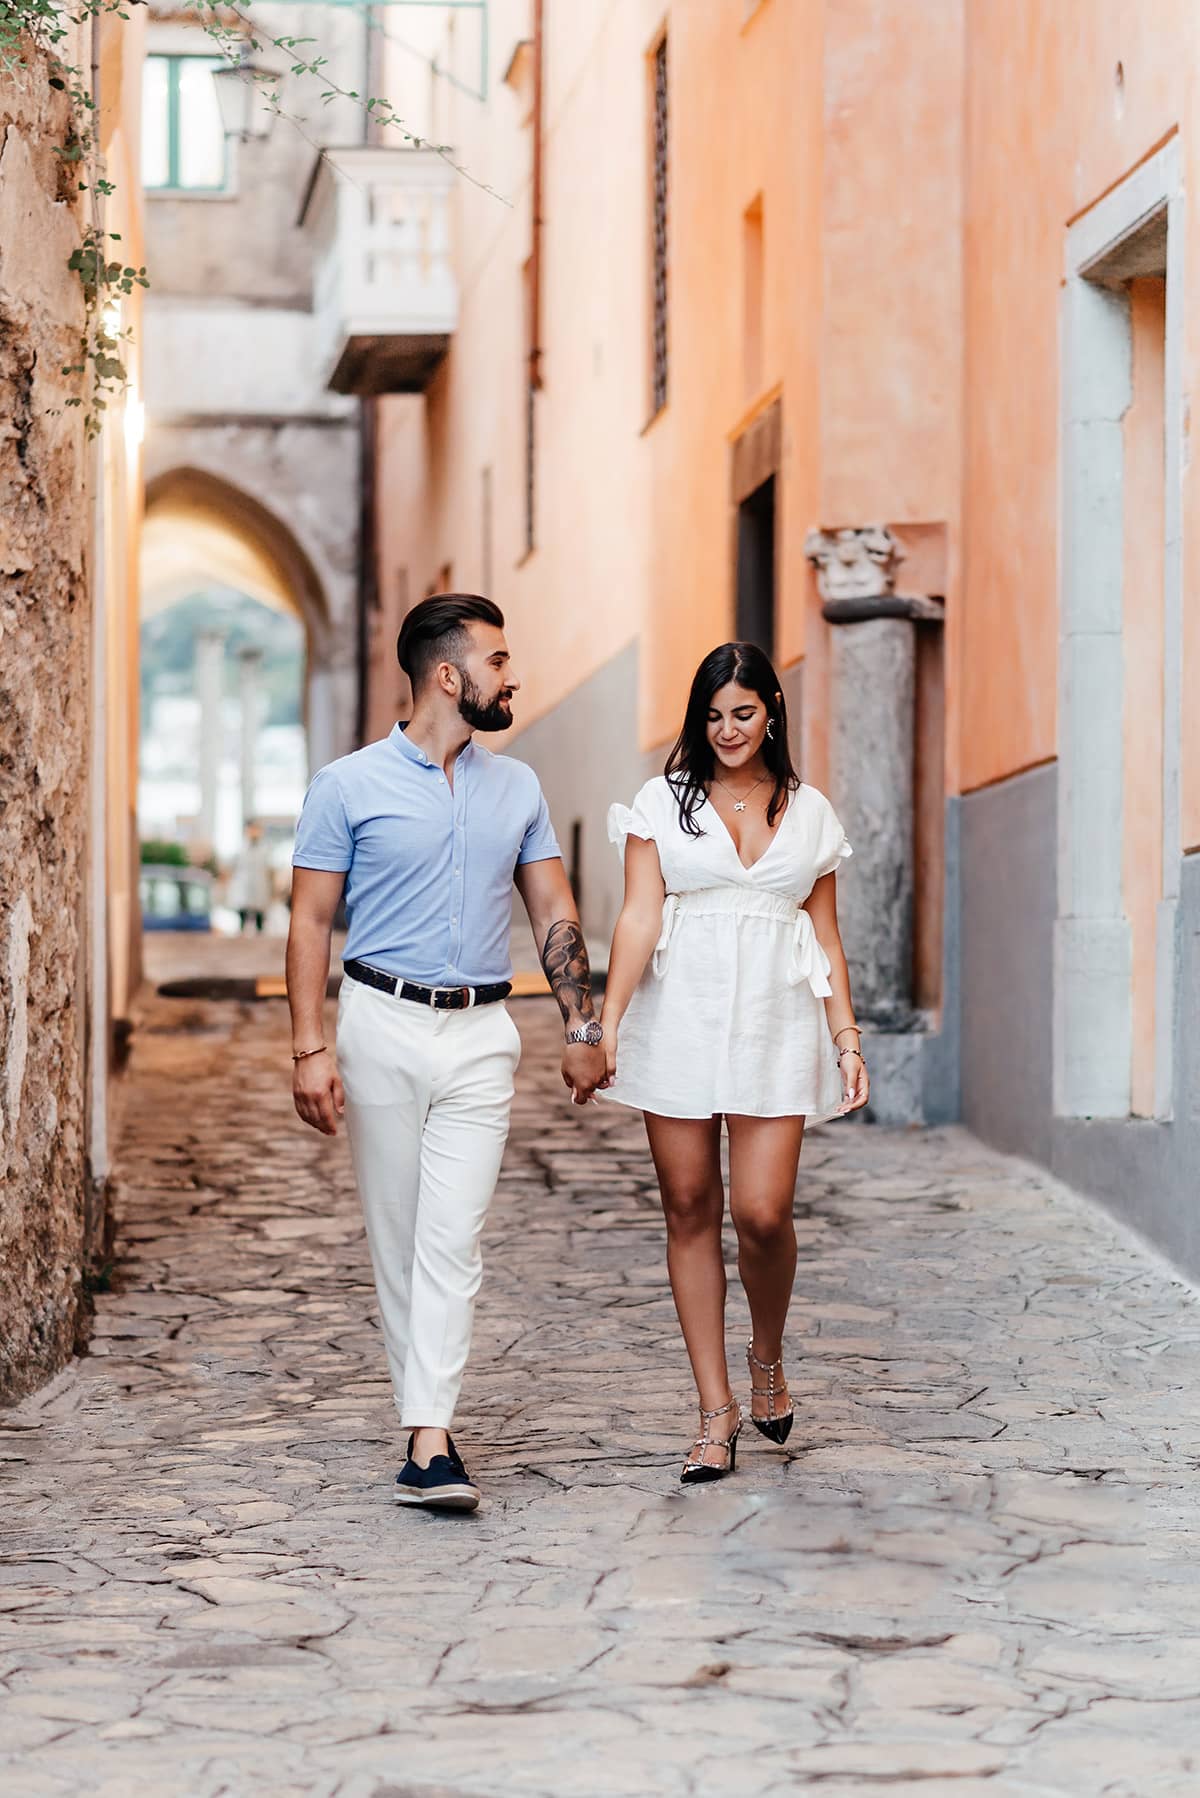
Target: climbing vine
point(103, 273)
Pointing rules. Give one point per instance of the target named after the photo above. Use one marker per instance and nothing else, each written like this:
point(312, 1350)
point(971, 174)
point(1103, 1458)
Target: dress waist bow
point(807, 961)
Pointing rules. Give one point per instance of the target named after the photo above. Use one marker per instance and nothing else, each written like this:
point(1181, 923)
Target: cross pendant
point(739, 805)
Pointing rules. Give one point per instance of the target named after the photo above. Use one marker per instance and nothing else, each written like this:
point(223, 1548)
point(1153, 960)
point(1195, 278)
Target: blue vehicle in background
point(175, 898)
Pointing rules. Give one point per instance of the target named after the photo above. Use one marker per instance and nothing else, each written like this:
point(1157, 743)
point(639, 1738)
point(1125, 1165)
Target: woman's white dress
point(729, 1015)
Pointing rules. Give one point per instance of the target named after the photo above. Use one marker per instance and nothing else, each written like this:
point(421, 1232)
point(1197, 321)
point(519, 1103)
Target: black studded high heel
point(696, 1470)
point(774, 1428)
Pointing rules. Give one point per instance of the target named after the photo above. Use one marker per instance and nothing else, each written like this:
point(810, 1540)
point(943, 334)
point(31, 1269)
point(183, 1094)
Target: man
point(426, 831)
point(249, 892)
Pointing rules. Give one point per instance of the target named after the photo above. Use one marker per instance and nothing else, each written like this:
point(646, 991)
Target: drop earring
point(771, 728)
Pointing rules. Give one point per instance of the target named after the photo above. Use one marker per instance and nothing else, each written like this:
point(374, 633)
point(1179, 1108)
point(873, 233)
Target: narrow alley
point(971, 1571)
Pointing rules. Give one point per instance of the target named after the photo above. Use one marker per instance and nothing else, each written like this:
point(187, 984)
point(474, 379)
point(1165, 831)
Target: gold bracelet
point(305, 1053)
point(857, 1031)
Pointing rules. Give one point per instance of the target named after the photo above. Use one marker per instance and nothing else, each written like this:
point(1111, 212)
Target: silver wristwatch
point(591, 1033)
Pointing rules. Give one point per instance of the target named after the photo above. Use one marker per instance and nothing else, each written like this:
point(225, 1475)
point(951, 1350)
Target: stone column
point(210, 685)
point(872, 719)
point(249, 674)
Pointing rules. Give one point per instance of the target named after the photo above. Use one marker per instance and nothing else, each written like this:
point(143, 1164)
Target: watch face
point(591, 1033)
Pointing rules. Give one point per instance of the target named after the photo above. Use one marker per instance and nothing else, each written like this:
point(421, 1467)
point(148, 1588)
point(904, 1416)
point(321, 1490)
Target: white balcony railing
point(384, 291)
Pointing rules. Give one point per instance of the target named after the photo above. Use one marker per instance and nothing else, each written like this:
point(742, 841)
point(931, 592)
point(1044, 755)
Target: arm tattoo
point(565, 960)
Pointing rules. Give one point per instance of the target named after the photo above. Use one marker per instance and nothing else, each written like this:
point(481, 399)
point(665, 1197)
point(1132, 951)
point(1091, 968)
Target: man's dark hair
point(436, 631)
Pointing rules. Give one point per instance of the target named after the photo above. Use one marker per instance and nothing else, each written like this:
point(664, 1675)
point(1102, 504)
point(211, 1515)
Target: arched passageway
point(237, 697)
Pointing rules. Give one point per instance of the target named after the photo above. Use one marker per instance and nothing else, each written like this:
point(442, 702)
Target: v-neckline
point(749, 867)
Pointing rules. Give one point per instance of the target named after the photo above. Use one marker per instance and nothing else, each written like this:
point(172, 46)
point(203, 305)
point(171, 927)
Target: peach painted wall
point(918, 164)
point(634, 516)
point(890, 419)
point(1050, 130)
point(745, 130)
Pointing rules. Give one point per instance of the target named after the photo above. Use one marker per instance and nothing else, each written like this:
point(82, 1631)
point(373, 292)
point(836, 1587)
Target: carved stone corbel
point(856, 576)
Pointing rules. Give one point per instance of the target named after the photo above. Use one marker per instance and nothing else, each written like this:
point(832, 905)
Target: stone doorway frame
point(1136, 228)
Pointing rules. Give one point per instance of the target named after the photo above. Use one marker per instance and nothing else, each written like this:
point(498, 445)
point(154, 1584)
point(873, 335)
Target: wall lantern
point(248, 96)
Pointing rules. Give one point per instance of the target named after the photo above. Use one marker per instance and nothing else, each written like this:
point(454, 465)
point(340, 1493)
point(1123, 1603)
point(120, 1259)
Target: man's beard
point(492, 716)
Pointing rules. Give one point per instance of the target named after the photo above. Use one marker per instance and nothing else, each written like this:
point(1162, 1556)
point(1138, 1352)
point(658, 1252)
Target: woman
point(730, 895)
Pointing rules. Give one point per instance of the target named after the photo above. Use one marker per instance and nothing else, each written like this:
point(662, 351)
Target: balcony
point(384, 291)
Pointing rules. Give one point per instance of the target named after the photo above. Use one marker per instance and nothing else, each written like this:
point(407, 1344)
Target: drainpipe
point(535, 259)
point(368, 592)
point(368, 586)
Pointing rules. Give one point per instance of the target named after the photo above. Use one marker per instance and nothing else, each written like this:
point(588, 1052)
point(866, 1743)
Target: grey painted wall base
point(1146, 1173)
point(586, 755)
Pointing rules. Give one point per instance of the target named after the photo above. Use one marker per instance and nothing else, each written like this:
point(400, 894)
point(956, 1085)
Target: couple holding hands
point(727, 999)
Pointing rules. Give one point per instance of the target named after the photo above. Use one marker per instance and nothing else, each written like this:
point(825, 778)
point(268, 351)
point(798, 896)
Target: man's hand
point(583, 1070)
point(317, 1092)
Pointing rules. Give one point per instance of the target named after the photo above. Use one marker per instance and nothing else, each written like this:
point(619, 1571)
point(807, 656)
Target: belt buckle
point(452, 998)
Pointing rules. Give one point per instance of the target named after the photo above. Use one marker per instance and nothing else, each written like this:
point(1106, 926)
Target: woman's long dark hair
point(692, 762)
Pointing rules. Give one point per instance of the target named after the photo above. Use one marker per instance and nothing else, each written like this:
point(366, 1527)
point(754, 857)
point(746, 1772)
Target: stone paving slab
point(971, 1571)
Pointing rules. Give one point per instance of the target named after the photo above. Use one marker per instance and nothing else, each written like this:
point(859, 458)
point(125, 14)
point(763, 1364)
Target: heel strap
point(723, 1412)
point(705, 1440)
point(767, 1391)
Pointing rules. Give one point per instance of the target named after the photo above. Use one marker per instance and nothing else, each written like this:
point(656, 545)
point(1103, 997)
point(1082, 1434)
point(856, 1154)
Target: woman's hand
point(609, 1045)
point(856, 1082)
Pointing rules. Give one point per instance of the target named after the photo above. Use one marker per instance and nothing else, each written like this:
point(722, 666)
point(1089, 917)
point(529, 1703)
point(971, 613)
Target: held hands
point(317, 1092)
point(588, 1068)
point(582, 1070)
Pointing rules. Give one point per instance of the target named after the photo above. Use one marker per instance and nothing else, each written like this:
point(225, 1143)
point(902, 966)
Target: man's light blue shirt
point(429, 868)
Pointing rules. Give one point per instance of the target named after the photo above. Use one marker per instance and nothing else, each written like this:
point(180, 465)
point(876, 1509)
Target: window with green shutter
point(183, 142)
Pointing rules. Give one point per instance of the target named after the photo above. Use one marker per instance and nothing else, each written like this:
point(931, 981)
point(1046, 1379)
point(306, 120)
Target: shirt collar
point(413, 754)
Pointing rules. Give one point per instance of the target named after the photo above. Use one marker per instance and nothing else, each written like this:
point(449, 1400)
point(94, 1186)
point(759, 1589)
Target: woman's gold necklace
point(739, 805)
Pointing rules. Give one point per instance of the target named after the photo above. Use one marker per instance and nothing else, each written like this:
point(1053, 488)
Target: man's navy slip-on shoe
point(444, 1485)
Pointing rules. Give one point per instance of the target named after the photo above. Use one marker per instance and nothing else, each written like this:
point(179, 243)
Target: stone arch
point(199, 527)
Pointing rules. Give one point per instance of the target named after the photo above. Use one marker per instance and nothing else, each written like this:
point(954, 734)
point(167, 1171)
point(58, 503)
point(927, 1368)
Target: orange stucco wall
point(634, 517)
point(918, 164)
point(1050, 129)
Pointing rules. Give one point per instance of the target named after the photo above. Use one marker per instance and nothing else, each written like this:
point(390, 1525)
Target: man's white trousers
point(428, 1097)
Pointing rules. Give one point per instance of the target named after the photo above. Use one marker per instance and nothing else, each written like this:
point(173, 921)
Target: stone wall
point(44, 649)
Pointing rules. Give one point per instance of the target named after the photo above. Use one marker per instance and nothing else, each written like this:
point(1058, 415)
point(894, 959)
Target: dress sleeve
point(832, 846)
point(635, 820)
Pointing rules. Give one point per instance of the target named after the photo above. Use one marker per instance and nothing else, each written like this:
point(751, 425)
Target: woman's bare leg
point(687, 1159)
point(764, 1154)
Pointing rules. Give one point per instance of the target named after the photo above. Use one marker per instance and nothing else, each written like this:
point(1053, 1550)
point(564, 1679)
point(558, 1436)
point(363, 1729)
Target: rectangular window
point(659, 225)
point(183, 141)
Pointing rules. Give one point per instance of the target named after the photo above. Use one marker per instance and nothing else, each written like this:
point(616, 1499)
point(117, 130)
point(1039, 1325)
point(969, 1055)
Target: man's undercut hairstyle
point(436, 631)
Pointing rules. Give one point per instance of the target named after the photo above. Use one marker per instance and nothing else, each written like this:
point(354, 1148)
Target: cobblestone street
point(972, 1571)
